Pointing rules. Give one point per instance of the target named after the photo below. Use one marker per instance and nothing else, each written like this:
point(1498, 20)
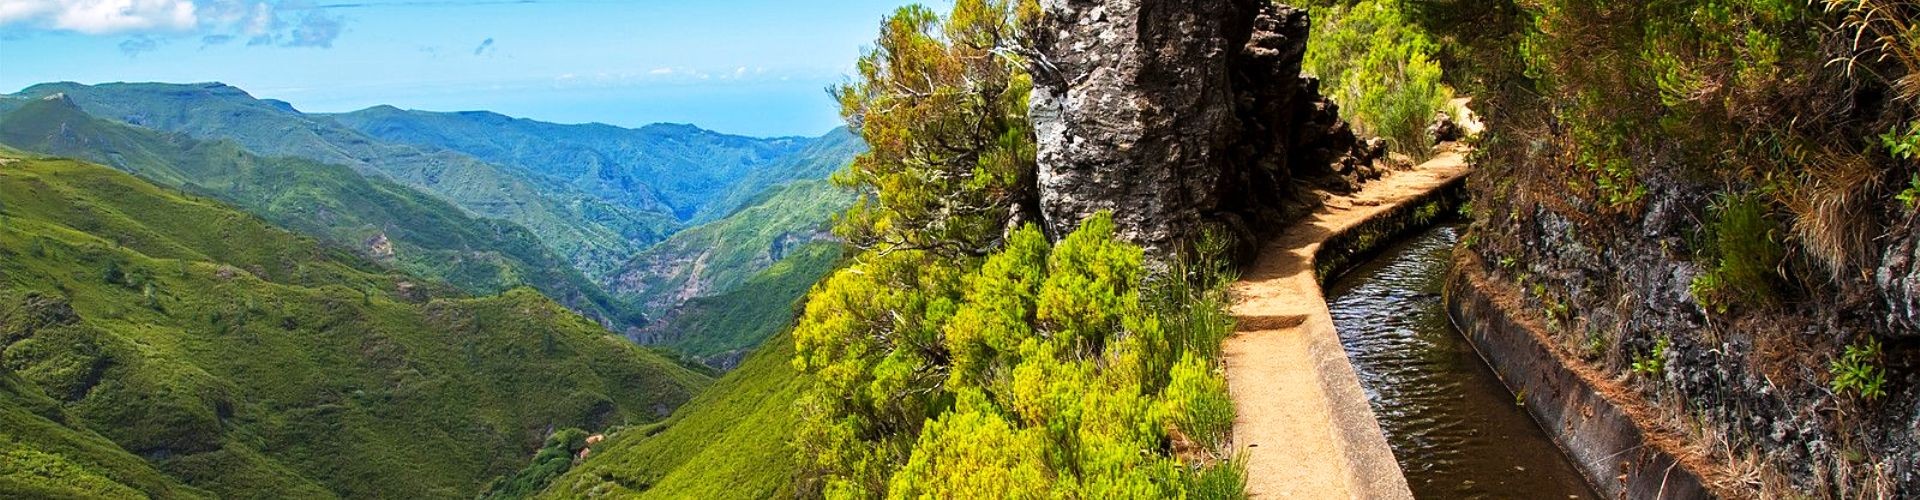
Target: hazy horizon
point(746, 67)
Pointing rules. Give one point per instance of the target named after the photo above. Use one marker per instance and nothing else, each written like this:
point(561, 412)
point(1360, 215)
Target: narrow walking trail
point(1304, 421)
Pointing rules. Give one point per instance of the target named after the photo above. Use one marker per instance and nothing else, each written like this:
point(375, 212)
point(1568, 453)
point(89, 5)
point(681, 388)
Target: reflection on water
point(1455, 429)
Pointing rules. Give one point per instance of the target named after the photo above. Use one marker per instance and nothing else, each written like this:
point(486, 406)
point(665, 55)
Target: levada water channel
point(1456, 431)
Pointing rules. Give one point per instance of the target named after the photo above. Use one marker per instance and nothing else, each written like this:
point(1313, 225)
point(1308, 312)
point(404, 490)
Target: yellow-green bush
point(1742, 256)
point(1040, 369)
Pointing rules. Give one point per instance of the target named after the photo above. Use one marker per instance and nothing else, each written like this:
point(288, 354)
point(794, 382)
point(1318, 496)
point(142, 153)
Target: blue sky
point(755, 67)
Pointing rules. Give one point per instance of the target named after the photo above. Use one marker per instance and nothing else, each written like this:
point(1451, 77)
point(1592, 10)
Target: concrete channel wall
point(1367, 452)
point(1571, 403)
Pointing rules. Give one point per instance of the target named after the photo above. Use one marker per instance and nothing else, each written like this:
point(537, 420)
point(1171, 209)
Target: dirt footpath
point(1304, 421)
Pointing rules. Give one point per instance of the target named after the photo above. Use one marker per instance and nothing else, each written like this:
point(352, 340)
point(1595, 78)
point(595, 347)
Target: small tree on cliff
point(942, 105)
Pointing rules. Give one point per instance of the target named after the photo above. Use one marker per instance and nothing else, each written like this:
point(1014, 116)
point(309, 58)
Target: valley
point(237, 357)
point(580, 196)
point(404, 262)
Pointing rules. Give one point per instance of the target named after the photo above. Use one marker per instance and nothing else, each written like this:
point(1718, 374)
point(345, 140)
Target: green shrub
point(1705, 289)
point(1379, 67)
point(1596, 345)
point(552, 460)
point(1903, 145)
point(1654, 363)
point(1859, 371)
point(914, 355)
point(1745, 254)
point(1910, 197)
point(1226, 481)
point(1198, 403)
point(953, 358)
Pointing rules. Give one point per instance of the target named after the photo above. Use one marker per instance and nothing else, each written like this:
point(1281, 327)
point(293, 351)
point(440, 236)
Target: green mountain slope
point(663, 167)
point(391, 223)
point(717, 257)
point(721, 329)
point(247, 361)
point(593, 234)
point(46, 456)
point(730, 442)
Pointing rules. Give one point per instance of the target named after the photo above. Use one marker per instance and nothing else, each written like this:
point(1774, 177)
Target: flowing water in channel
point(1454, 428)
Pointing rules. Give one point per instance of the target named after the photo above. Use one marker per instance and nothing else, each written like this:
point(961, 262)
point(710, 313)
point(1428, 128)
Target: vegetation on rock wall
point(1713, 191)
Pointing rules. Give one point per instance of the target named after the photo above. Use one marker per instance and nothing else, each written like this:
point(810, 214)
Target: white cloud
point(258, 21)
point(15, 10)
point(661, 71)
point(289, 23)
point(103, 17)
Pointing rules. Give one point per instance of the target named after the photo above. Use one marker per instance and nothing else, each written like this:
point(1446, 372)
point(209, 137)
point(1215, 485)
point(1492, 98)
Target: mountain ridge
point(601, 213)
point(678, 168)
point(592, 234)
point(384, 221)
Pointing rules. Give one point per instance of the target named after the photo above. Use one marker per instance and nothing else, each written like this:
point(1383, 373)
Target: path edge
point(1372, 469)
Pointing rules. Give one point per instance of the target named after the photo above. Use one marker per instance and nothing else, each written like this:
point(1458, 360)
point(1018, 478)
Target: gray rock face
point(1181, 114)
point(1898, 279)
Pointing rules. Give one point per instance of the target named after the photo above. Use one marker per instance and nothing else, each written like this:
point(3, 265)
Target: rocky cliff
point(1180, 115)
point(1732, 245)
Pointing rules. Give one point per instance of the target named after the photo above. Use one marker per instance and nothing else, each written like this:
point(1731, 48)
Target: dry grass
point(1882, 31)
point(1833, 212)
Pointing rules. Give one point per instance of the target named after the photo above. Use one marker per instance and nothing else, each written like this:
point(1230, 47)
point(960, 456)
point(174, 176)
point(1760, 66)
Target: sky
point(752, 67)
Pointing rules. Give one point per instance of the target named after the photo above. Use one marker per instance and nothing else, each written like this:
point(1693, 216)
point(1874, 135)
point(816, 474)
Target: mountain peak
point(382, 109)
point(673, 128)
point(55, 101)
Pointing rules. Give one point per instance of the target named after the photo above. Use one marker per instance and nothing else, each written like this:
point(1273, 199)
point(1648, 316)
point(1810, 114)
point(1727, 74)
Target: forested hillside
point(380, 220)
point(601, 199)
point(242, 360)
point(720, 329)
point(747, 201)
point(50, 456)
point(678, 169)
point(732, 440)
point(719, 256)
point(592, 234)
